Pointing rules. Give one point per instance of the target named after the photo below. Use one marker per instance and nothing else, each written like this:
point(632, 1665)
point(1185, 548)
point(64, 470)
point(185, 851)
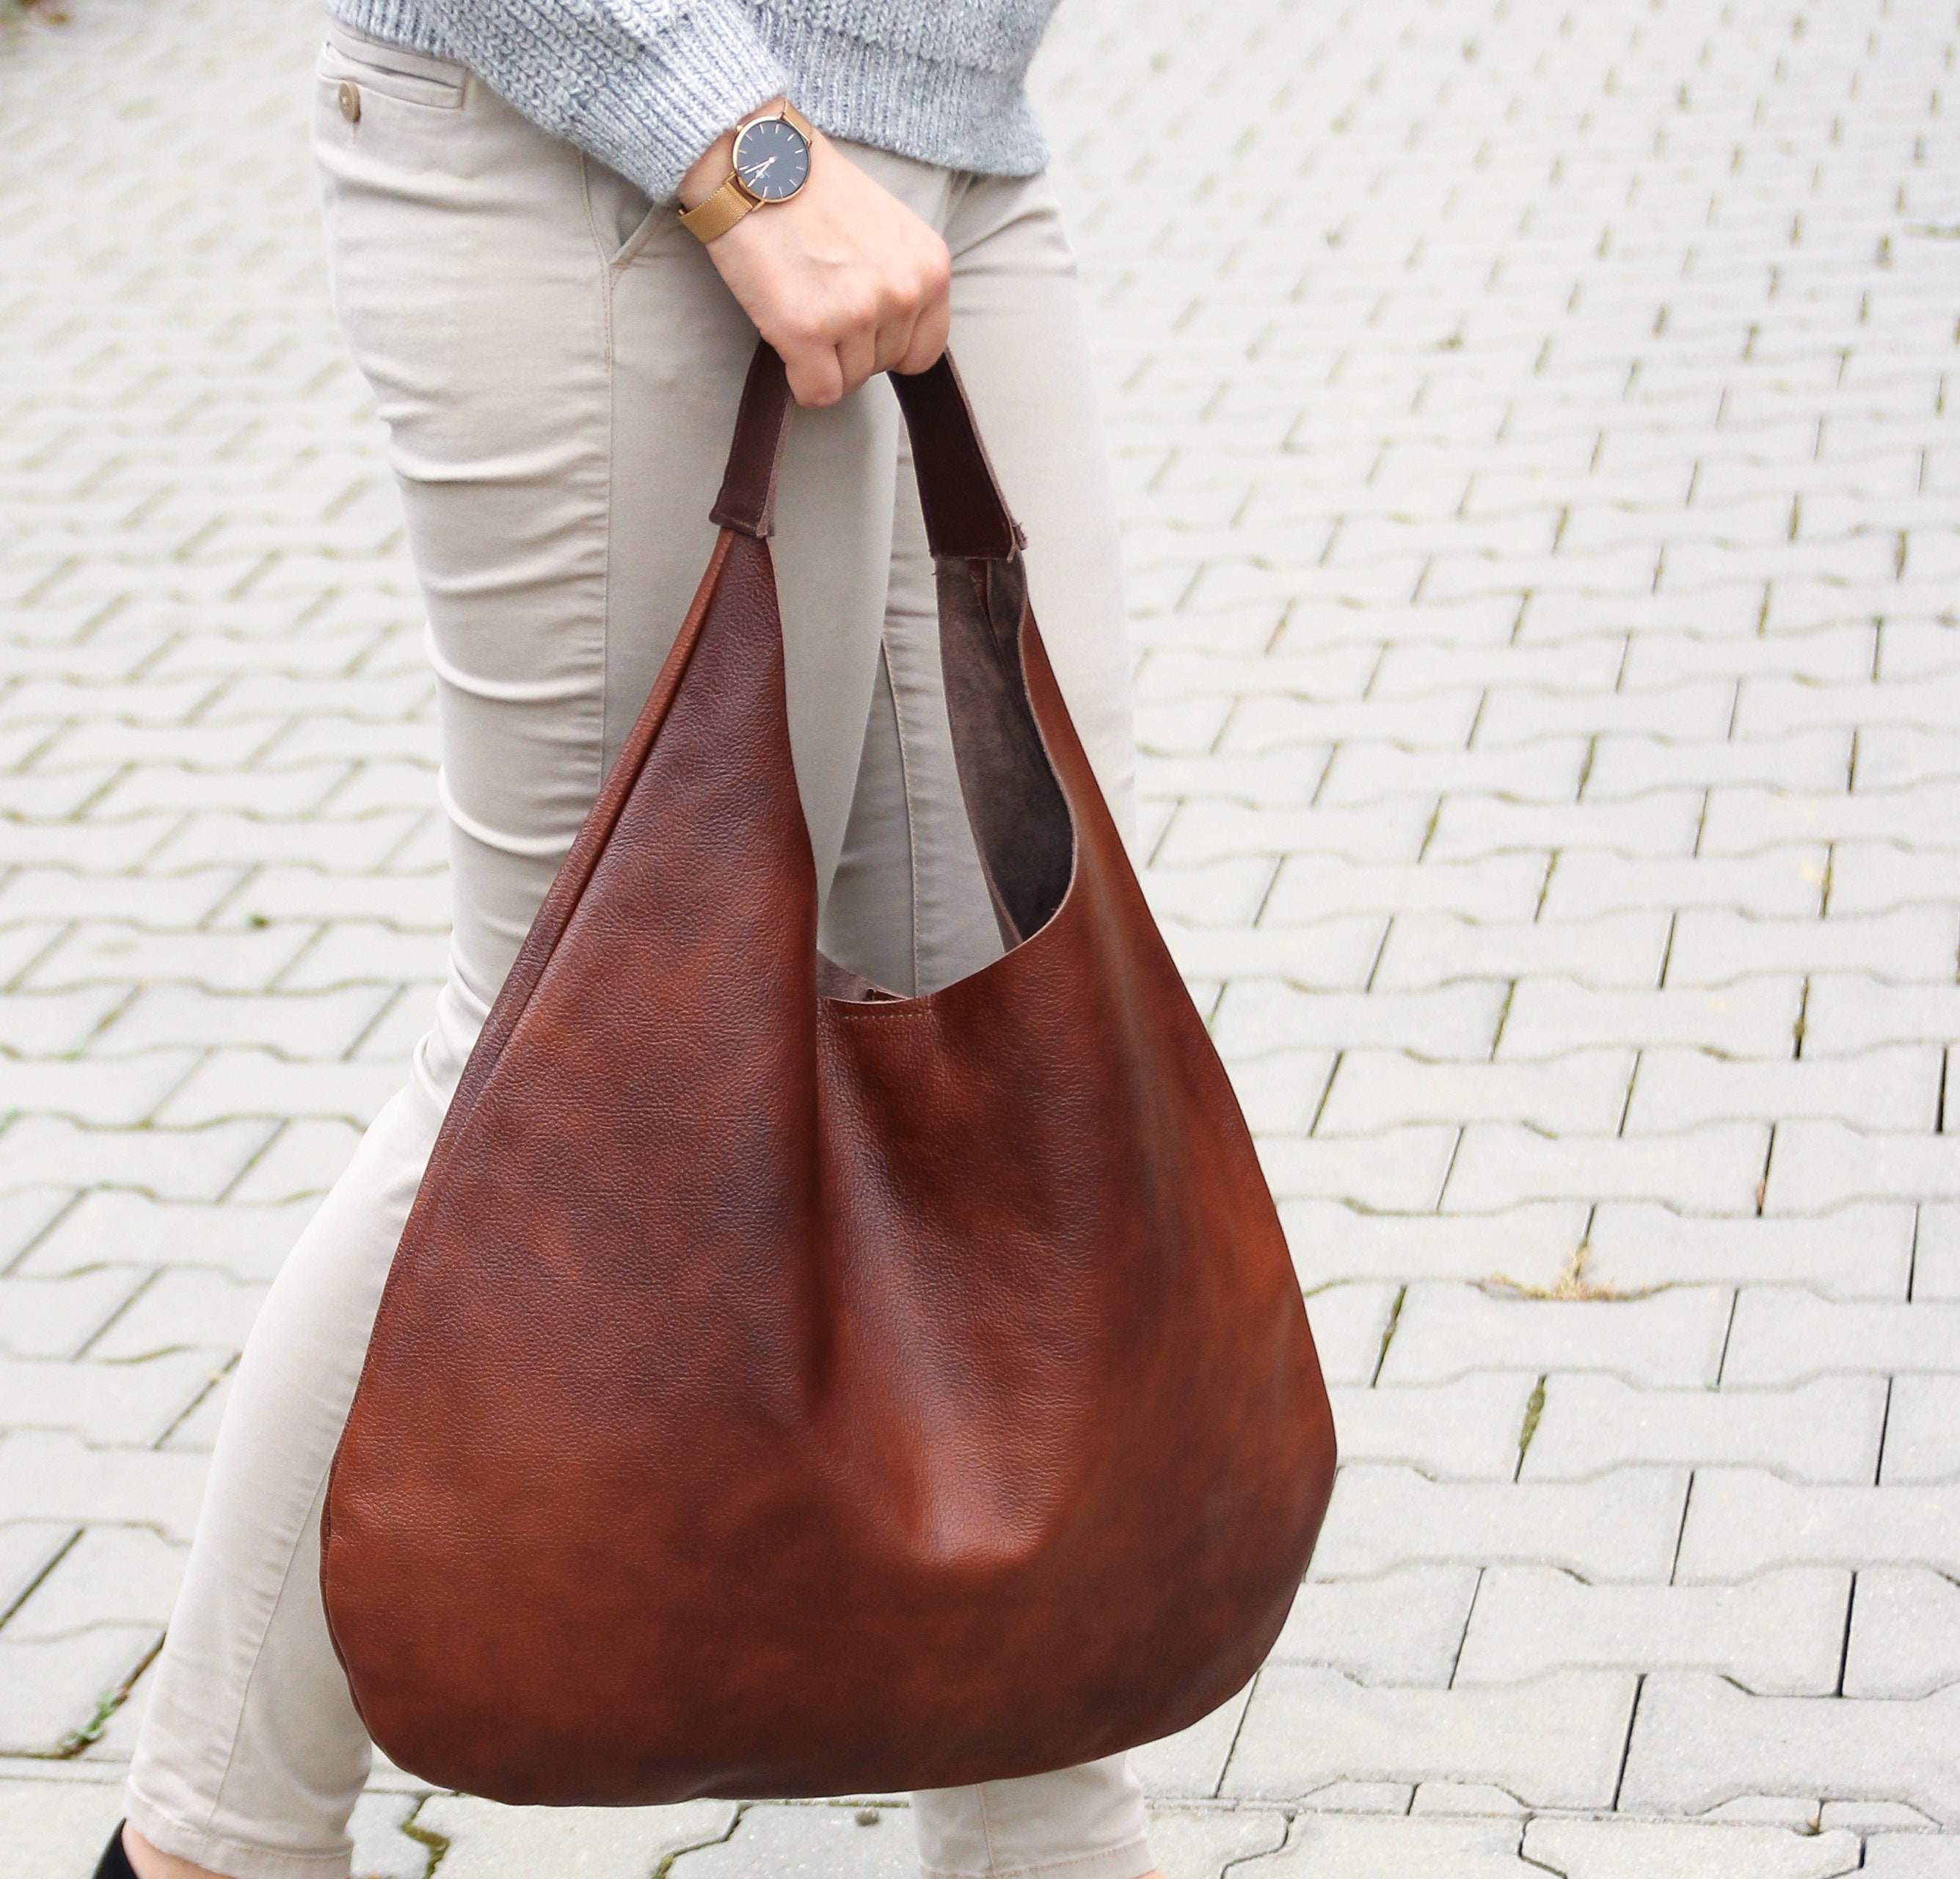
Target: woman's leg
point(910, 907)
point(557, 414)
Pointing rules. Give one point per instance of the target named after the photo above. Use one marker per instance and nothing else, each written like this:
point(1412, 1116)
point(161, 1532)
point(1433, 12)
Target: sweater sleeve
point(644, 85)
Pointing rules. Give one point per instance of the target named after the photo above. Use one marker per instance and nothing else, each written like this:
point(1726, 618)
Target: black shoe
point(115, 1861)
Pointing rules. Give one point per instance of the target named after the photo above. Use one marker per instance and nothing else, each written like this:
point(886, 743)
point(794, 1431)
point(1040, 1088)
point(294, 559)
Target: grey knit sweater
point(647, 85)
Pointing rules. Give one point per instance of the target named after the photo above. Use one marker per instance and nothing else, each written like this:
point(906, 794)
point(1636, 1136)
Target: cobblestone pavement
point(1541, 508)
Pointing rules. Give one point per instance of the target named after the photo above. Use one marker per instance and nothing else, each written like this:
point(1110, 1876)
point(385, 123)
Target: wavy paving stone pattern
point(1542, 503)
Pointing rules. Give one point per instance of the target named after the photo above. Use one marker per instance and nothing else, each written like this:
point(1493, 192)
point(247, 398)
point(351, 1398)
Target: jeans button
point(350, 101)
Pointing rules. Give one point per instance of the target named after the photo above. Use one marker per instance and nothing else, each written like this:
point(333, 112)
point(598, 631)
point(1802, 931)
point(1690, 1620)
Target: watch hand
point(756, 174)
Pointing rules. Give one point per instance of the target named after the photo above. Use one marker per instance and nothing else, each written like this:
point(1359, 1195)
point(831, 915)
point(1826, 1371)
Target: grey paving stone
point(1622, 1527)
point(51, 1686)
point(1755, 1017)
point(47, 1477)
point(299, 1025)
point(121, 952)
point(1846, 1012)
point(26, 1214)
point(183, 1311)
point(1689, 712)
point(41, 1024)
point(1657, 1849)
point(104, 1095)
point(1895, 1088)
point(1904, 1639)
point(27, 1548)
point(1461, 1798)
point(381, 1849)
point(1741, 1521)
point(1467, 1430)
point(1360, 1796)
point(1712, 946)
point(1405, 1627)
point(1782, 1634)
point(1663, 824)
point(111, 1575)
point(489, 1842)
point(1534, 1244)
point(1935, 1262)
point(1203, 828)
point(1865, 1251)
point(1861, 1817)
point(1912, 1856)
point(1785, 1334)
point(1323, 887)
point(103, 1403)
point(1401, 1170)
point(305, 1158)
point(1743, 821)
point(196, 1432)
point(1715, 1168)
point(1823, 1164)
point(1827, 1430)
point(1280, 1091)
point(54, 1827)
point(1875, 876)
point(234, 1083)
point(1667, 1339)
point(1457, 1020)
point(56, 1317)
point(1189, 1765)
point(110, 1225)
point(1698, 1741)
point(1375, 1090)
point(1555, 1743)
point(1362, 771)
point(1631, 766)
point(1334, 1846)
point(1349, 1322)
point(1922, 1431)
point(1782, 884)
point(1199, 1843)
point(174, 1164)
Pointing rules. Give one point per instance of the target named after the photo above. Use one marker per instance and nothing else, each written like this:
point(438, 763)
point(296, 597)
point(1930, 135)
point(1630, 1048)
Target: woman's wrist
point(711, 169)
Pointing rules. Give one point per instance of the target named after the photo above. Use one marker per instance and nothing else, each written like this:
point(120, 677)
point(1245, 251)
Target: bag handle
point(965, 516)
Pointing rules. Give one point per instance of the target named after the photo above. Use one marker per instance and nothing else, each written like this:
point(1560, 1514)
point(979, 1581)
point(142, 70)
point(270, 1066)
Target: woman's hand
point(842, 279)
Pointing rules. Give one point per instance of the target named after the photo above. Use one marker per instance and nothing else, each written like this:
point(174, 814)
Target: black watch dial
point(771, 159)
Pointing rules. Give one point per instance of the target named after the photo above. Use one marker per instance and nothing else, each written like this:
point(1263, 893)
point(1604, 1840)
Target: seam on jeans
point(986, 1825)
point(606, 274)
point(911, 821)
point(608, 280)
point(258, 1650)
point(337, 1859)
point(1139, 1846)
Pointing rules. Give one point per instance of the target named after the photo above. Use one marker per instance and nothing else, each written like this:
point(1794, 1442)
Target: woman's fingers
point(927, 340)
point(844, 280)
point(815, 376)
point(857, 355)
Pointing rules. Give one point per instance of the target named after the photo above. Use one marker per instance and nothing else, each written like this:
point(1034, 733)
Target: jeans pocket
point(623, 220)
point(375, 66)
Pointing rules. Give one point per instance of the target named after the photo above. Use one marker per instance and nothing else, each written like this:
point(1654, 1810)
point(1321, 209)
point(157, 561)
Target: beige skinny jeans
point(558, 365)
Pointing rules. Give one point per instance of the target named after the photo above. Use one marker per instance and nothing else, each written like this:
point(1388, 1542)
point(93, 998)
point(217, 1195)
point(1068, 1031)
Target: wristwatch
point(771, 164)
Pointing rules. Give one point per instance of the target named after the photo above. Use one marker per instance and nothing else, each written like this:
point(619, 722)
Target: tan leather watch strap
point(716, 214)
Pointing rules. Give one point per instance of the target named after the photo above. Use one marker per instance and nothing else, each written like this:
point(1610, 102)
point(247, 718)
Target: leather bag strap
point(965, 516)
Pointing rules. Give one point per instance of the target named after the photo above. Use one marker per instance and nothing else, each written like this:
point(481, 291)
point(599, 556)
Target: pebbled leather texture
point(786, 1388)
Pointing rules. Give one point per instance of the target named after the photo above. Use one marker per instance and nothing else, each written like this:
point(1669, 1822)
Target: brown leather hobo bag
point(783, 1388)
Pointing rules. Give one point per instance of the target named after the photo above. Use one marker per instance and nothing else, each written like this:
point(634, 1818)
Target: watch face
point(771, 159)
